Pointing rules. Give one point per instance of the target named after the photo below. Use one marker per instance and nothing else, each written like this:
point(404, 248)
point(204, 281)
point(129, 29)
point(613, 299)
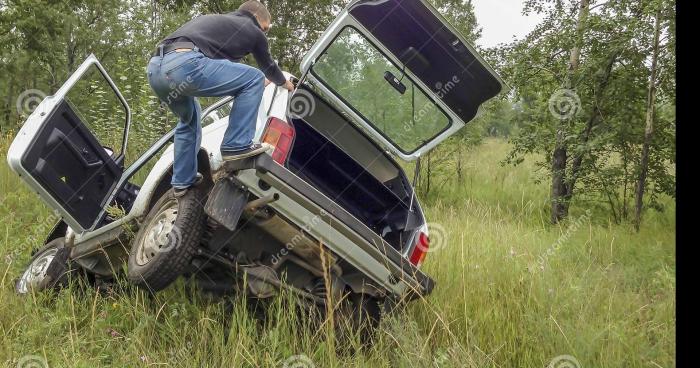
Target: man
point(200, 59)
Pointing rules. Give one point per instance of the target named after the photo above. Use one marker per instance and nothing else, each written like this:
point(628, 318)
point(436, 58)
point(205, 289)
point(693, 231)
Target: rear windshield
point(354, 70)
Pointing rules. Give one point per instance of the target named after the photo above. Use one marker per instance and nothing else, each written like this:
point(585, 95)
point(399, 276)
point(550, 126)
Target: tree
point(579, 80)
point(561, 190)
point(660, 17)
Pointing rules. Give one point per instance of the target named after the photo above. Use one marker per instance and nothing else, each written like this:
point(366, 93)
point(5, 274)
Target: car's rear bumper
point(390, 267)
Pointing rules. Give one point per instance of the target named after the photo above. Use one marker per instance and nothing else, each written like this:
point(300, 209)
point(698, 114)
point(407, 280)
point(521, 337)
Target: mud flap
point(226, 203)
point(59, 268)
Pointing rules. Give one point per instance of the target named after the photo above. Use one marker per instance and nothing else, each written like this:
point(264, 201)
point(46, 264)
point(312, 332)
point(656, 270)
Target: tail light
point(280, 135)
point(421, 249)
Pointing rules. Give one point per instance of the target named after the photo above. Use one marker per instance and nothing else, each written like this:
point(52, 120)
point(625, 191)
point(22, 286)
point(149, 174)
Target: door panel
point(57, 151)
point(68, 161)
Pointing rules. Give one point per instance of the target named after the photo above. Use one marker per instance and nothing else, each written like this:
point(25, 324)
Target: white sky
point(500, 20)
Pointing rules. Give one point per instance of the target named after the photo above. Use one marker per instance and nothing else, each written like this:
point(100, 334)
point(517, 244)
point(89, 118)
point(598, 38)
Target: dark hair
point(258, 9)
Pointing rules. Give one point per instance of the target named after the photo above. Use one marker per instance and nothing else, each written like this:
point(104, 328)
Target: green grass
point(512, 291)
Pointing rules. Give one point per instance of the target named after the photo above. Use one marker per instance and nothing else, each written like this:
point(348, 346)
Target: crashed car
point(329, 212)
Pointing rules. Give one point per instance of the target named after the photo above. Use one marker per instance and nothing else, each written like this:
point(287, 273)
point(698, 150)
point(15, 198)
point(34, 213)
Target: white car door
point(402, 72)
point(72, 147)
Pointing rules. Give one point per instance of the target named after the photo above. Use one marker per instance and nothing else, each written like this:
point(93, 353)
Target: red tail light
point(421, 249)
point(280, 135)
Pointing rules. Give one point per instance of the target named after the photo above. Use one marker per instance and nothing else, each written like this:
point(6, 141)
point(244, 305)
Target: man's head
point(259, 11)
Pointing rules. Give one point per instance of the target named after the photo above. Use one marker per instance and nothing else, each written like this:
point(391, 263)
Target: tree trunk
point(559, 207)
point(649, 130)
point(459, 163)
point(593, 120)
point(560, 204)
point(8, 103)
point(625, 166)
point(70, 53)
point(428, 174)
point(154, 20)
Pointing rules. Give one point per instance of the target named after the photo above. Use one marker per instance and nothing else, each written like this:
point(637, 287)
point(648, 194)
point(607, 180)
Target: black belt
point(163, 49)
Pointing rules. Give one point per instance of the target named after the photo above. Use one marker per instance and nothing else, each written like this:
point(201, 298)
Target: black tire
point(51, 269)
point(362, 314)
point(154, 266)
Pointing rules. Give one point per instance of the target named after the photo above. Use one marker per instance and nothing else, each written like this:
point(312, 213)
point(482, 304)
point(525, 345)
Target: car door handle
point(57, 137)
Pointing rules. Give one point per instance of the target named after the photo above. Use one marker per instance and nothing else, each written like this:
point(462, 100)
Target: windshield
point(354, 70)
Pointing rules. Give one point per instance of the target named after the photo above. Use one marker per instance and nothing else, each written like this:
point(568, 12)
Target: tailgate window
point(354, 70)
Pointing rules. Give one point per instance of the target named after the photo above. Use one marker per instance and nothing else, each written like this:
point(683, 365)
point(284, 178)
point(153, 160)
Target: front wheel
point(167, 240)
point(48, 269)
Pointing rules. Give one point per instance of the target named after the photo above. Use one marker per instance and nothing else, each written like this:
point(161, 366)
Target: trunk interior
point(341, 162)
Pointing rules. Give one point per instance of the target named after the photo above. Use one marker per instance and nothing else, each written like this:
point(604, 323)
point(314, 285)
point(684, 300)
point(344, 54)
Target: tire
point(362, 314)
point(48, 269)
point(167, 240)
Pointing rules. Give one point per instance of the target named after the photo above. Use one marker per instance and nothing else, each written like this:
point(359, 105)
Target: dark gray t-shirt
point(231, 36)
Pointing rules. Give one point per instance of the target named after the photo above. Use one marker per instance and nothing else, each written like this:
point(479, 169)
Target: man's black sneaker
point(179, 192)
point(253, 150)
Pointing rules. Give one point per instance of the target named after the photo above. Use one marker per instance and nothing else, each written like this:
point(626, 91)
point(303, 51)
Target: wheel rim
point(36, 272)
point(157, 238)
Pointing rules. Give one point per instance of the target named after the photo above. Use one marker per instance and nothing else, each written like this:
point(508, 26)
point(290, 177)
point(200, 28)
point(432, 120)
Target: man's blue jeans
point(178, 77)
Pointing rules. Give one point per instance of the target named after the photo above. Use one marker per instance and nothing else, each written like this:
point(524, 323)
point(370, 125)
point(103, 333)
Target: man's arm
point(262, 56)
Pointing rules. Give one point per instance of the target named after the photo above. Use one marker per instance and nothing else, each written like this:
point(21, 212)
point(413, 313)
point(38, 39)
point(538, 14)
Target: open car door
point(402, 72)
point(71, 149)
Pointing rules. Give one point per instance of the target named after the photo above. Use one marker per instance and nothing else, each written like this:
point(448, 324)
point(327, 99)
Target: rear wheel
point(167, 240)
point(48, 269)
point(361, 313)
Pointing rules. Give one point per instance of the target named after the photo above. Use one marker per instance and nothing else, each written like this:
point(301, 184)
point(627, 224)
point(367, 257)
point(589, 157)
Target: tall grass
point(512, 291)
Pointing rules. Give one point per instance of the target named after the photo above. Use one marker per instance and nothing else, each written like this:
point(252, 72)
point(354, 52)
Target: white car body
point(81, 186)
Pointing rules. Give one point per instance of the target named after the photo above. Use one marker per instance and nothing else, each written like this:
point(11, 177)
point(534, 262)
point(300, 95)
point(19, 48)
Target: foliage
point(43, 42)
point(602, 137)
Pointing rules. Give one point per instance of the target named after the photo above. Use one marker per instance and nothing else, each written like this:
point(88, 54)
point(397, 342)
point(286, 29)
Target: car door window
point(99, 109)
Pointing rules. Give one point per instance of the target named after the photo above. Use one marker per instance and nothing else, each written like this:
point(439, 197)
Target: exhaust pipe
point(262, 201)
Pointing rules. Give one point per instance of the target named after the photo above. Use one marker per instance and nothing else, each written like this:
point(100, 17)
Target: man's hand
point(288, 85)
